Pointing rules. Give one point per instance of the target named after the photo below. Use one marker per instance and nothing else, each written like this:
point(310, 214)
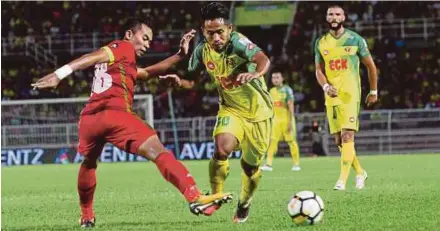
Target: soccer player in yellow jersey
point(236, 65)
point(284, 127)
point(337, 54)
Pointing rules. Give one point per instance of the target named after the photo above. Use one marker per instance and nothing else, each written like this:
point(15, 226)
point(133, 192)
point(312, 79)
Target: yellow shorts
point(280, 130)
point(343, 116)
point(253, 137)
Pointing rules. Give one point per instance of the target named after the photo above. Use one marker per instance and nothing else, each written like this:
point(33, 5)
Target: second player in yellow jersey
point(284, 126)
point(337, 54)
point(236, 66)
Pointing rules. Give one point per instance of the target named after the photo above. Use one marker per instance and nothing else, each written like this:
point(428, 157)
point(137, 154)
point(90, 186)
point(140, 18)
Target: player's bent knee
point(151, 148)
point(248, 169)
point(347, 136)
point(221, 153)
point(89, 162)
point(224, 145)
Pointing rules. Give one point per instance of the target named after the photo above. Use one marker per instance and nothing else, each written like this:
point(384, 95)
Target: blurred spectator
point(408, 75)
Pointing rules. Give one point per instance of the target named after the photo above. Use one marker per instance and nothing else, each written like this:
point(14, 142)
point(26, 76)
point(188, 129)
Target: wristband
point(373, 92)
point(325, 87)
point(63, 72)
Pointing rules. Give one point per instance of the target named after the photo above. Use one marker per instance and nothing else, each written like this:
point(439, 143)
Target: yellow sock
point(294, 151)
point(273, 146)
point(357, 166)
point(218, 172)
point(347, 156)
point(249, 186)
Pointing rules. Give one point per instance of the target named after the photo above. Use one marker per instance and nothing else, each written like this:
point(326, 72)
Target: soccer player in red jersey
point(108, 116)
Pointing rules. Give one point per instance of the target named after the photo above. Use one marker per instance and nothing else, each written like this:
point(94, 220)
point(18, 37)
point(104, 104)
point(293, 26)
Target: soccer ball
point(306, 207)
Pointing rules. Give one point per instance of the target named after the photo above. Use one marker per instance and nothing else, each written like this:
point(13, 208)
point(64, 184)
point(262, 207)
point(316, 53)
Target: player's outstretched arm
point(163, 66)
point(263, 64)
point(372, 77)
point(322, 80)
point(85, 61)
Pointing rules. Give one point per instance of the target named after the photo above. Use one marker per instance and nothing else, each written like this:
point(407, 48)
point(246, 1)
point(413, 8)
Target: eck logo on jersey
point(338, 64)
point(228, 83)
point(278, 104)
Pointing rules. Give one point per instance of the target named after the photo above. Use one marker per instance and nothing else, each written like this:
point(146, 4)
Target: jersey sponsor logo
point(228, 83)
point(210, 65)
point(348, 49)
point(114, 45)
point(351, 119)
point(338, 64)
point(325, 52)
point(278, 104)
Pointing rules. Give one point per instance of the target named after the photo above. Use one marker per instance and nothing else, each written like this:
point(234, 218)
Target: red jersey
point(113, 84)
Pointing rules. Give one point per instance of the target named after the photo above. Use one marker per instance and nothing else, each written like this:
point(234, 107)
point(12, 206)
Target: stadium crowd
point(408, 77)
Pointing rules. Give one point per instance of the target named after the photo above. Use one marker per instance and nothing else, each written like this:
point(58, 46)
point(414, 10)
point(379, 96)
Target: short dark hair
point(212, 11)
point(336, 5)
point(277, 70)
point(134, 24)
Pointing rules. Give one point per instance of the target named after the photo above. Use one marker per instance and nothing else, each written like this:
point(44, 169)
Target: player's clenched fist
point(330, 90)
point(371, 99)
point(50, 80)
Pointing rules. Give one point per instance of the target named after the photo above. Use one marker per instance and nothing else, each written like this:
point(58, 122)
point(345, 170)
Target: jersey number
point(102, 80)
point(223, 121)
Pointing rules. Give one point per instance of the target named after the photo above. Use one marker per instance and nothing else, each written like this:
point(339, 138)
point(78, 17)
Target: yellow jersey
point(280, 96)
point(341, 60)
point(250, 101)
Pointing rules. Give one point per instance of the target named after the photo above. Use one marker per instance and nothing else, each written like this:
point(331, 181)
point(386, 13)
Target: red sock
point(86, 190)
point(176, 173)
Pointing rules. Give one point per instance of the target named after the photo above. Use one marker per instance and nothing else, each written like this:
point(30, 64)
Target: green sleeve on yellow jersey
point(243, 47)
point(195, 62)
point(289, 94)
point(362, 47)
point(318, 56)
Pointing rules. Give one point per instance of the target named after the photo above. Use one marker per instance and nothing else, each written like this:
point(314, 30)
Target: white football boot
point(296, 168)
point(360, 180)
point(340, 186)
point(266, 168)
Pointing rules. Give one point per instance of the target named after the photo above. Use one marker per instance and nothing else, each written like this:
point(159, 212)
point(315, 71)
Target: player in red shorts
point(108, 116)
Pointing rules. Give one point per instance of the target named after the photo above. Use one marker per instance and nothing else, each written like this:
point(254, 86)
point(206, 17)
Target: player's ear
point(202, 29)
point(230, 27)
point(128, 34)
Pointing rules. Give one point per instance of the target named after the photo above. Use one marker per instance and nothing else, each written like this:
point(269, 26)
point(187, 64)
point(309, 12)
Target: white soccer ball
point(306, 207)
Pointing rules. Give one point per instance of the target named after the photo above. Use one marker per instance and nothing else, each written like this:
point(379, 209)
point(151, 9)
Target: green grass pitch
point(402, 193)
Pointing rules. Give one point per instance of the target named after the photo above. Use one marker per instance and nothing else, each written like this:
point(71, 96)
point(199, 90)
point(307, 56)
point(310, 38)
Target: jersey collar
point(339, 35)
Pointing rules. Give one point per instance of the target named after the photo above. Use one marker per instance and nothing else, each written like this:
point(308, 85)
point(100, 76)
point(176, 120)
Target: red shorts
point(123, 129)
